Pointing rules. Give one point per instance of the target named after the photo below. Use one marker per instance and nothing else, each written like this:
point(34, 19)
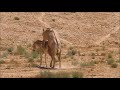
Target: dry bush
point(16, 18)
point(10, 50)
point(71, 51)
point(87, 64)
point(2, 61)
point(114, 65)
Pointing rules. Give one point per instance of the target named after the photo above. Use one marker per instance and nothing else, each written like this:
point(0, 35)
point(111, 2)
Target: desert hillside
point(90, 42)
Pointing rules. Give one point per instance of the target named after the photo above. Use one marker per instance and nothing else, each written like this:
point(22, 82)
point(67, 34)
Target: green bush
point(21, 50)
point(10, 49)
point(34, 54)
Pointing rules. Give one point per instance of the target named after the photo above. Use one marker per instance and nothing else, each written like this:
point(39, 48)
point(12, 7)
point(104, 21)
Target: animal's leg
point(40, 60)
point(59, 58)
point(53, 64)
point(45, 60)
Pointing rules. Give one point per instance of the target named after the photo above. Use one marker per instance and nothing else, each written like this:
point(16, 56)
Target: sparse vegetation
point(2, 61)
point(77, 75)
point(114, 65)
point(4, 55)
point(97, 50)
point(71, 51)
point(21, 50)
point(116, 43)
point(53, 20)
point(110, 61)
point(29, 45)
point(93, 57)
point(16, 18)
point(83, 32)
point(64, 57)
point(48, 74)
point(118, 61)
point(103, 54)
point(31, 56)
point(34, 54)
point(92, 54)
point(10, 50)
point(87, 64)
point(33, 65)
point(74, 62)
point(30, 59)
point(109, 56)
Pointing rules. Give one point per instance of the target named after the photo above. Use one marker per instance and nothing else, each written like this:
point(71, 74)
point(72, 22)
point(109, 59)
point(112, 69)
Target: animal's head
point(37, 45)
point(46, 32)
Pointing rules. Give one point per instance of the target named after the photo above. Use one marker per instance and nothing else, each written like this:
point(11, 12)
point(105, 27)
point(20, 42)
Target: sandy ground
point(87, 33)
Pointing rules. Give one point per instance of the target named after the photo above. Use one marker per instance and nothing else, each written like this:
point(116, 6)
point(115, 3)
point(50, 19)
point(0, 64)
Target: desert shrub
point(31, 56)
point(53, 20)
point(93, 57)
point(110, 61)
point(95, 62)
point(74, 62)
point(114, 65)
point(2, 61)
point(30, 59)
point(4, 55)
point(29, 45)
point(103, 54)
point(109, 56)
point(97, 50)
point(21, 50)
point(34, 54)
point(34, 65)
point(71, 51)
point(92, 54)
point(118, 61)
point(119, 52)
point(27, 55)
point(116, 43)
point(16, 18)
point(10, 50)
point(91, 63)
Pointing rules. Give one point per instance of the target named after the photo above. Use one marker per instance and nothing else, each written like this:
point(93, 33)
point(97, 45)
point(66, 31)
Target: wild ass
point(54, 45)
point(42, 48)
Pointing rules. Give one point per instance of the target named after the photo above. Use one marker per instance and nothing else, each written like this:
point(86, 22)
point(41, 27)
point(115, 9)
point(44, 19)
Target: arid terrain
point(90, 44)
